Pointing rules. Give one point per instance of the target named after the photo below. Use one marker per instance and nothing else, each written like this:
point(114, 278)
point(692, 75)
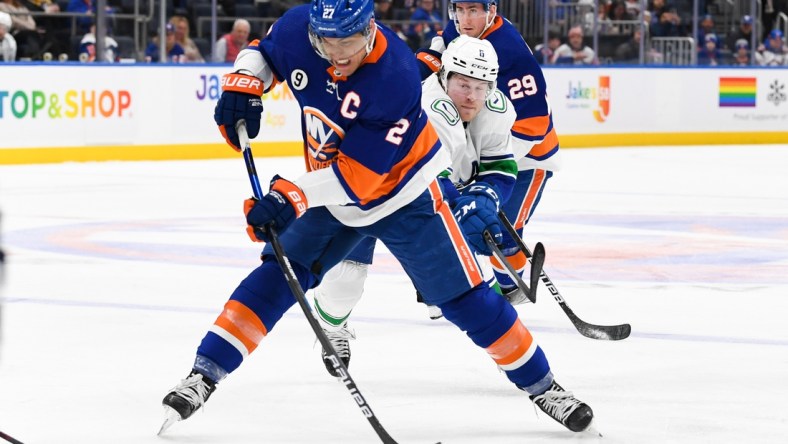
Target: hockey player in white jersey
point(473, 120)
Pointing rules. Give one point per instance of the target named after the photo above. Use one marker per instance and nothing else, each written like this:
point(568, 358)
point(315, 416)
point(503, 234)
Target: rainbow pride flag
point(737, 91)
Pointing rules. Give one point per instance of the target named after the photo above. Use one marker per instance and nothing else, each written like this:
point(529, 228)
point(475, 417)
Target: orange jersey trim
point(532, 126)
point(368, 185)
point(512, 345)
point(241, 322)
point(497, 23)
point(546, 145)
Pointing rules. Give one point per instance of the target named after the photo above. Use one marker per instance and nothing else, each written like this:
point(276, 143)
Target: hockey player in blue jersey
point(373, 160)
point(535, 142)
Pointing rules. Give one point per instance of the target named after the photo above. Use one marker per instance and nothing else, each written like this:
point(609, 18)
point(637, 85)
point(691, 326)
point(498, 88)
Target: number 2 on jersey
point(395, 133)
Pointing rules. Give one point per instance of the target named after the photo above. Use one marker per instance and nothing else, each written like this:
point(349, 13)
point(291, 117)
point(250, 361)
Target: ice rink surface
point(116, 270)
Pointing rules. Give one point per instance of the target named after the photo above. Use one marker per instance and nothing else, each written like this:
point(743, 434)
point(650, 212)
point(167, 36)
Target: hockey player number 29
point(395, 133)
point(519, 88)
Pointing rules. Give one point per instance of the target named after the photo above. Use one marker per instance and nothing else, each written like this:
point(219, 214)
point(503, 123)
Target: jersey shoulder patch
point(496, 102)
point(446, 108)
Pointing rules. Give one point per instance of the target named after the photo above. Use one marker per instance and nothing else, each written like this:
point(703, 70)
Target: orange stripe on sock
point(512, 345)
point(530, 198)
point(241, 322)
point(518, 261)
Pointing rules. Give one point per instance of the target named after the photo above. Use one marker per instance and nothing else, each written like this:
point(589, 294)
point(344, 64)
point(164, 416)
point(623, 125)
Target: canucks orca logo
point(322, 137)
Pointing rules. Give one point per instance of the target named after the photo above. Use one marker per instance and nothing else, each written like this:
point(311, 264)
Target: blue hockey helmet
point(340, 18)
point(485, 3)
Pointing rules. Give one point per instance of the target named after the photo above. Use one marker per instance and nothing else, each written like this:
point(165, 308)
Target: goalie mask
point(341, 19)
point(470, 57)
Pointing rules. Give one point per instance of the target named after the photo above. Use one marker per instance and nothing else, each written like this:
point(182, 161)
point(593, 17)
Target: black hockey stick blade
point(593, 331)
point(602, 332)
point(528, 292)
point(537, 264)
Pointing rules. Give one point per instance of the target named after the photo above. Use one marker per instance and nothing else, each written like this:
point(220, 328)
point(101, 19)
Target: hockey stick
point(607, 332)
point(10, 439)
point(298, 293)
point(536, 267)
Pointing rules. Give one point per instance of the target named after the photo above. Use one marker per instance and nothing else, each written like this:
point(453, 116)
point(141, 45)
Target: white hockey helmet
point(470, 57)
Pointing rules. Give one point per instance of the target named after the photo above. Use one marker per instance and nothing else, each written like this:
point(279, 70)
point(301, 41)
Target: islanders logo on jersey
point(322, 138)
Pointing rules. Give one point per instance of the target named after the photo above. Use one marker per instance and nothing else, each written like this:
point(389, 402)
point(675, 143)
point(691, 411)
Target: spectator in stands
point(175, 52)
point(87, 47)
point(769, 11)
point(23, 27)
point(710, 54)
point(773, 52)
point(7, 41)
point(229, 45)
point(705, 27)
point(613, 22)
point(82, 6)
point(544, 54)
point(741, 53)
point(191, 52)
point(574, 52)
point(665, 21)
point(57, 29)
point(427, 22)
point(383, 10)
point(21, 20)
point(633, 7)
point(629, 51)
point(744, 32)
point(584, 11)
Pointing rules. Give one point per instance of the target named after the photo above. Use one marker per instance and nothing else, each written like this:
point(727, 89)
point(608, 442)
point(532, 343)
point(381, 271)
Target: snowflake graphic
point(777, 93)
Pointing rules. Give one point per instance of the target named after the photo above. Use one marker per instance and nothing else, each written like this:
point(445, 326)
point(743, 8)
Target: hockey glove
point(280, 207)
point(477, 211)
point(240, 99)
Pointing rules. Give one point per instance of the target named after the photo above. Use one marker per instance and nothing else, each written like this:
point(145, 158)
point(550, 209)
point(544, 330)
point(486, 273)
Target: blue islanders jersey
point(368, 127)
point(521, 79)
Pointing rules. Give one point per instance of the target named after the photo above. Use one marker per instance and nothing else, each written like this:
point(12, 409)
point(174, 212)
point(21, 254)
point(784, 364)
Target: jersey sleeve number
point(395, 133)
point(519, 88)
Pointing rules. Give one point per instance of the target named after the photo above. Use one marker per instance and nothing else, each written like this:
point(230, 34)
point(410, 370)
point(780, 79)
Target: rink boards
point(73, 112)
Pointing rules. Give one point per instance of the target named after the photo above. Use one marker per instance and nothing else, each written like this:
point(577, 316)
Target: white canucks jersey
point(480, 150)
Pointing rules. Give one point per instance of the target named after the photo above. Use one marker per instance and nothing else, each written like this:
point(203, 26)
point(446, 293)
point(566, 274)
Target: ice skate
point(514, 295)
point(185, 398)
point(435, 312)
point(340, 340)
point(564, 408)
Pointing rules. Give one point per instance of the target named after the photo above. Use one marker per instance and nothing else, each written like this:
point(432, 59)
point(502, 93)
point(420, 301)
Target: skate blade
point(171, 418)
point(592, 430)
